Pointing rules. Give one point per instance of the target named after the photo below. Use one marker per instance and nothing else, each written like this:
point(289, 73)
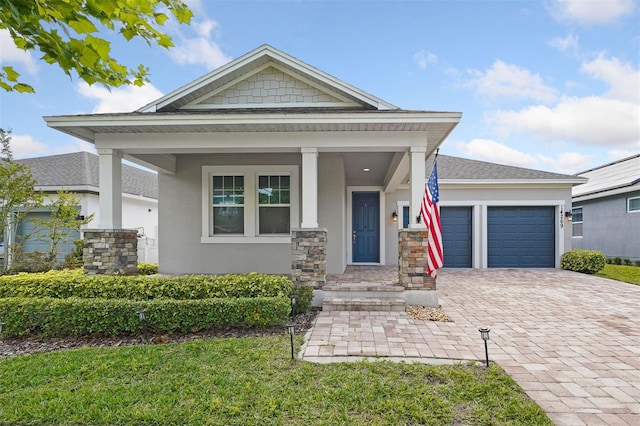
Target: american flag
point(430, 212)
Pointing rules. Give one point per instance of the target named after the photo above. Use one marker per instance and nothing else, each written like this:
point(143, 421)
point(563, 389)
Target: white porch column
point(418, 157)
point(110, 189)
point(309, 188)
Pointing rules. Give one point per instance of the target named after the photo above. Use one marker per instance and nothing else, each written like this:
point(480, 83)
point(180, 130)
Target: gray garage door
point(456, 236)
point(521, 237)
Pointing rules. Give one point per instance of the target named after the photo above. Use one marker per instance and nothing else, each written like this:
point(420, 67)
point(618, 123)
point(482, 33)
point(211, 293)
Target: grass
point(250, 381)
point(627, 274)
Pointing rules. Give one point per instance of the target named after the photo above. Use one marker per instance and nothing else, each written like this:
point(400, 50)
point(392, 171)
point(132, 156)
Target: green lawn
point(250, 381)
point(627, 274)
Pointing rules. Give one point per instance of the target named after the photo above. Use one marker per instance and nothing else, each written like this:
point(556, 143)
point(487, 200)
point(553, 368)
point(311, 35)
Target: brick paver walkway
point(571, 341)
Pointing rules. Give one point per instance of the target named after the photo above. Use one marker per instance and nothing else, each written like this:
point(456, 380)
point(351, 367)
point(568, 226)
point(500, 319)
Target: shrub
point(146, 268)
point(50, 317)
point(305, 297)
point(585, 261)
point(74, 283)
point(637, 263)
point(74, 259)
point(627, 262)
point(617, 261)
point(609, 260)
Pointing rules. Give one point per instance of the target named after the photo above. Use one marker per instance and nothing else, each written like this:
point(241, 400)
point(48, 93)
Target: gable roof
point(236, 75)
point(78, 171)
point(463, 170)
point(609, 179)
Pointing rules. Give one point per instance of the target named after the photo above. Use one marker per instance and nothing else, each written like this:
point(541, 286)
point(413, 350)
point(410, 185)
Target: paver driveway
point(571, 341)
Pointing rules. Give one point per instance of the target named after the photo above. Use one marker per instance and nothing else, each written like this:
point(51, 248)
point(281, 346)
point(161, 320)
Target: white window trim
point(251, 218)
point(629, 205)
point(575, 208)
point(400, 205)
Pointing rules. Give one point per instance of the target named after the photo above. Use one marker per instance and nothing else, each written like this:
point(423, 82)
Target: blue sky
point(550, 85)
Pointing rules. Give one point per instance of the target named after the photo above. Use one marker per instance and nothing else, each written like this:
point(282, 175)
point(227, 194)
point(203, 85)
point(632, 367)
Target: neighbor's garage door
point(456, 236)
point(522, 237)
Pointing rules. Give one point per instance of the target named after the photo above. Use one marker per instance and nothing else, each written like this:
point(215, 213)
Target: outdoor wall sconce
point(294, 300)
point(143, 319)
point(484, 333)
point(394, 216)
point(568, 216)
point(79, 217)
point(291, 328)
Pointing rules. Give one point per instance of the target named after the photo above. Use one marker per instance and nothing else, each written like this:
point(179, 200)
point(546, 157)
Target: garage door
point(521, 237)
point(456, 236)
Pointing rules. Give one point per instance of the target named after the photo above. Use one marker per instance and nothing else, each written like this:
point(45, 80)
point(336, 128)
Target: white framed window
point(576, 222)
point(249, 204)
point(633, 204)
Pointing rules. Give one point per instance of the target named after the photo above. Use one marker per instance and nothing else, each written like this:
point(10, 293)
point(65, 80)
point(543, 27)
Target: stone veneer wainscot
point(309, 257)
point(412, 260)
point(110, 252)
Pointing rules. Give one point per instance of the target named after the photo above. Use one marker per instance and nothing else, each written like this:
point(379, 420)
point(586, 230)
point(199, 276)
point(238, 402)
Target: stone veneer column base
point(110, 251)
point(412, 265)
point(309, 257)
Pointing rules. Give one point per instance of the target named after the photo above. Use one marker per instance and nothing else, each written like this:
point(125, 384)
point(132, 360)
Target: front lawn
point(627, 274)
point(249, 381)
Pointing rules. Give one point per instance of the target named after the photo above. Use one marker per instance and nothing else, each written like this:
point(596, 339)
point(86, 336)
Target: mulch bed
point(30, 345)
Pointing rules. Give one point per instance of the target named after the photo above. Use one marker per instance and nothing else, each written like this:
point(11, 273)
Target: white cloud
point(623, 79)
point(10, 53)
point(570, 42)
point(496, 152)
point(201, 49)
point(506, 80)
point(123, 99)
point(25, 146)
point(592, 11)
point(619, 154)
point(567, 162)
point(590, 120)
point(424, 59)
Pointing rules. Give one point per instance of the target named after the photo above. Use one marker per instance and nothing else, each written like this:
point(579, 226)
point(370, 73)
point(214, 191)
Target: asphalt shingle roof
point(81, 169)
point(456, 168)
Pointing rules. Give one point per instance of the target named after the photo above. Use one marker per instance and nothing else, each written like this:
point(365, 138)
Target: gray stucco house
point(606, 209)
point(268, 164)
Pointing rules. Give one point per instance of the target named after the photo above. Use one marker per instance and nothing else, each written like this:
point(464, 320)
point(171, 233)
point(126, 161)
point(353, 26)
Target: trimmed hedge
point(74, 283)
point(146, 268)
point(51, 317)
point(585, 261)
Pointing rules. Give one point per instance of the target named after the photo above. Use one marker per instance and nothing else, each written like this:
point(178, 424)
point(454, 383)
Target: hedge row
point(73, 283)
point(51, 317)
point(585, 261)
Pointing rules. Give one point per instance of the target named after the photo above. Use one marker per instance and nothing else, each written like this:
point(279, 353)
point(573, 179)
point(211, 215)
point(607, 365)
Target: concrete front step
point(363, 304)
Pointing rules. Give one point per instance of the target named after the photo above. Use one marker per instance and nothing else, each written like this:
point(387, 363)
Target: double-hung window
point(274, 204)
point(633, 204)
point(576, 222)
point(249, 204)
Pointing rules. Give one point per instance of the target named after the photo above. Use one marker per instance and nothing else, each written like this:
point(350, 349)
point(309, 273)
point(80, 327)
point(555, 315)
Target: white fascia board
point(69, 188)
point(414, 117)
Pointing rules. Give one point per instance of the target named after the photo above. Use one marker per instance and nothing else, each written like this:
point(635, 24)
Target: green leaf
point(161, 18)
point(83, 26)
point(10, 73)
point(24, 88)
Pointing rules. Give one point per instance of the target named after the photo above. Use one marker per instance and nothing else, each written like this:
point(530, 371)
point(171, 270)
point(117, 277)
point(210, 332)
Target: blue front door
point(365, 237)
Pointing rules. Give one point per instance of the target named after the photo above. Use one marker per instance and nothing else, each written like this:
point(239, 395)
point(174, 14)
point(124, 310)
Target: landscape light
point(143, 319)
point(291, 327)
point(484, 333)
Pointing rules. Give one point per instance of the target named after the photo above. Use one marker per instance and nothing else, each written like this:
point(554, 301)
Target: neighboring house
point(78, 173)
point(266, 147)
point(606, 209)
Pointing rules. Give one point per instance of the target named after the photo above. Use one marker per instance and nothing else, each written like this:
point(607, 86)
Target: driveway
point(571, 341)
